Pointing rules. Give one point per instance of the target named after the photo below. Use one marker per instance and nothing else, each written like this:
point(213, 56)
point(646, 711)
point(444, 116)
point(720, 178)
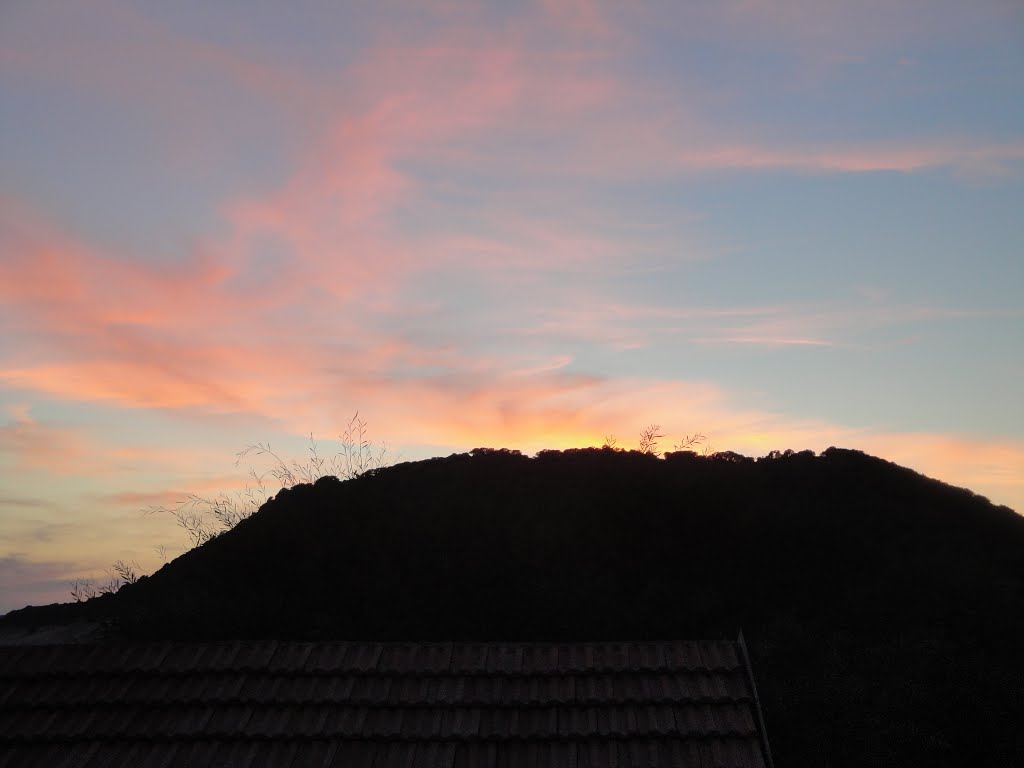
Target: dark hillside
point(883, 609)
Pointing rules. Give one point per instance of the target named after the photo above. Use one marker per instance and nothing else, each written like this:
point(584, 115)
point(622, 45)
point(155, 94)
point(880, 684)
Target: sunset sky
point(506, 224)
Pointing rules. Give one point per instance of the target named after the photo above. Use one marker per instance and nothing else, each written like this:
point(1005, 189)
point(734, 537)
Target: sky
point(510, 224)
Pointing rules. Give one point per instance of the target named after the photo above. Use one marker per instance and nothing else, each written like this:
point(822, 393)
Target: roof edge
point(757, 700)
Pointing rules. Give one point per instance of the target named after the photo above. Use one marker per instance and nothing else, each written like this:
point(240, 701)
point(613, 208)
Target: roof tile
point(411, 690)
point(306, 720)
point(537, 690)
point(683, 754)
point(289, 657)
point(499, 722)
point(268, 721)
point(179, 659)
point(138, 690)
point(352, 703)
point(371, 689)
point(341, 689)
point(191, 686)
point(665, 687)
point(719, 655)
point(11, 661)
point(461, 722)
point(224, 687)
point(599, 753)
point(79, 754)
point(581, 722)
point(683, 656)
point(422, 723)
point(221, 656)
point(385, 722)
point(651, 656)
point(745, 753)
point(323, 685)
point(431, 658)
point(399, 754)
point(396, 658)
point(504, 658)
point(476, 754)
point(540, 658)
point(508, 689)
point(469, 659)
point(189, 720)
point(231, 719)
point(312, 753)
point(111, 753)
point(71, 724)
point(355, 754)
point(618, 656)
point(733, 719)
point(327, 657)
point(27, 724)
point(260, 687)
point(236, 752)
point(144, 658)
point(538, 722)
point(451, 690)
point(60, 663)
point(512, 755)
point(109, 721)
point(297, 689)
point(434, 754)
point(557, 754)
point(424, 658)
point(37, 692)
point(349, 722)
point(363, 657)
point(276, 754)
point(597, 657)
point(595, 688)
point(255, 654)
point(30, 661)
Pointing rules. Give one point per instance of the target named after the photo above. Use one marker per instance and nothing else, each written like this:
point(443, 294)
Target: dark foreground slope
point(883, 609)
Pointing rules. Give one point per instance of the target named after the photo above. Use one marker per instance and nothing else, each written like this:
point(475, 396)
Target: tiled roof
point(379, 704)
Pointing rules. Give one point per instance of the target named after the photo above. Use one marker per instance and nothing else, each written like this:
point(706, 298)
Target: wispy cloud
point(28, 502)
point(849, 322)
point(769, 341)
point(993, 158)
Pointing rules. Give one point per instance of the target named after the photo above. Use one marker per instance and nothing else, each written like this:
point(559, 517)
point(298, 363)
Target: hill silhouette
point(883, 609)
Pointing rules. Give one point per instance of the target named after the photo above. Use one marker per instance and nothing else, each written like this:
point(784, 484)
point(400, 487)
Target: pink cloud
point(140, 351)
point(70, 286)
point(585, 18)
point(977, 158)
point(145, 498)
point(33, 447)
point(29, 445)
